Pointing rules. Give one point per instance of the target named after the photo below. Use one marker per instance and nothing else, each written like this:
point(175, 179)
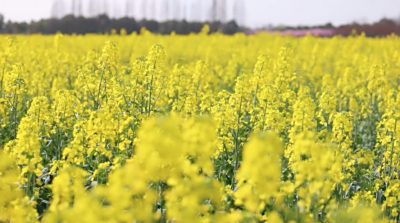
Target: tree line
point(71, 24)
point(381, 28)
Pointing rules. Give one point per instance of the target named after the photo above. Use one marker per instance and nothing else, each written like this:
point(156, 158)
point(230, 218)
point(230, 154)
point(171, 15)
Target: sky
point(258, 12)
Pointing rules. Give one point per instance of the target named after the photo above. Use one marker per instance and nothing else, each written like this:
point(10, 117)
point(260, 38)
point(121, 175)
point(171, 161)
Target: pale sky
point(258, 12)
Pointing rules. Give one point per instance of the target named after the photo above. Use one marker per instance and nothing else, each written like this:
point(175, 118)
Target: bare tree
point(79, 8)
point(93, 8)
point(222, 11)
point(129, 8)
point(196, 11)
point(218, 11)
point(1, 22)
point(239, 12)
point(176, 10)
point(58, 9)
point(214, 11)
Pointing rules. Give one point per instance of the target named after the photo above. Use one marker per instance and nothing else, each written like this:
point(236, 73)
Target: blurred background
point(289, 17)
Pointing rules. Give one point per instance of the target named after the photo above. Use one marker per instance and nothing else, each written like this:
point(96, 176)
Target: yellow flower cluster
point(199, 128)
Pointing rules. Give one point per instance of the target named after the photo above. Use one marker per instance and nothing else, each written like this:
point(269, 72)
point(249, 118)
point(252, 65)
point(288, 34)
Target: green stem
point(392, 151)
point(4, 66)
point(237, 143)
point(158, 95)
point(149, 102)
point(14, 114)
point(2, 74)
point(98, 90)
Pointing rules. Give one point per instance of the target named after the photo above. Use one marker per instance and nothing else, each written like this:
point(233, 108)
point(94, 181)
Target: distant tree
point(1, 22)
point(15, 27)
point(385, 21)
point(70, 24)
point(151, 25)
point(328, 25)
point(230, 28)
point(183, 27)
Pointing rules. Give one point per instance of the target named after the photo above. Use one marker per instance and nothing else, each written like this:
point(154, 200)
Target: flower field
point(199, 128)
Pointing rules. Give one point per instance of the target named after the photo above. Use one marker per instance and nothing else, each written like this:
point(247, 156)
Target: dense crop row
point(198, 128)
